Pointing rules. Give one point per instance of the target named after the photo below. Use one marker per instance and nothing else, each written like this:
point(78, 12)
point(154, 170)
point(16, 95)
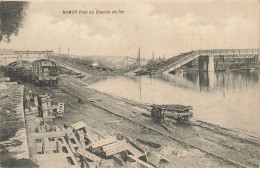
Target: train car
point(179, 113)
point(19, 71)
point(45, 72)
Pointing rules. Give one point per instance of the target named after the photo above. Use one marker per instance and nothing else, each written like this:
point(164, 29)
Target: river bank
point(213, 96)
point(145, 108)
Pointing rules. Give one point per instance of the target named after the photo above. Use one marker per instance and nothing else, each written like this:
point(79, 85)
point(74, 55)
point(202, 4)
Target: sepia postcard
point(130, 84)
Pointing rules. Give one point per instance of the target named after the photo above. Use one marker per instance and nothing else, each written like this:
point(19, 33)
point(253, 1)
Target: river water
point(230, 99)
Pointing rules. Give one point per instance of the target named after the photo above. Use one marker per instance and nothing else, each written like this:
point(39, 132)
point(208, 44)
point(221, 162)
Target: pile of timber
point(46, 108)
point(79, 145)
point(97, 149)
point(41, 105)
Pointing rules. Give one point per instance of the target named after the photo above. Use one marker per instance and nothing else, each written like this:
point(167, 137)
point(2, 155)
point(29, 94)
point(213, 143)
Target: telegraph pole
point(138, 60)
point(28, 55)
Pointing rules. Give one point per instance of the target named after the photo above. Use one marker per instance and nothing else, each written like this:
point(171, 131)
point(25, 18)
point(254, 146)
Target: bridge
point(68, 61)
point(19, 56)
point(205, 59)
point(130, 69)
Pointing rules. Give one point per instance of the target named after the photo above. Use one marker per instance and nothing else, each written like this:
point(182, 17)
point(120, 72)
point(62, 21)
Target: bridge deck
point(182, 59)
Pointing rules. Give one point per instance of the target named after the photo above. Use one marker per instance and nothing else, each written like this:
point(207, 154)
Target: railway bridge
point(19, 56)
point(129, 69)
point(207, 59)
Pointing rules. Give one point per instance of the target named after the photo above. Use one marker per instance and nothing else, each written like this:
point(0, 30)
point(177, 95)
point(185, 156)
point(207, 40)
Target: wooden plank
point(32, 113)
point(78, 125)
point(134, 151)
point(51, 156)
point(55, 161)
point(46, 135)
point(116, 150)
point(154, 159)
point(48, 117)
point(88, 155)
point(93, 137)
point(69, 150)
point(130, 165)
point(118, 160)
point(103, 142)
point(114, 145)
point(140, 162)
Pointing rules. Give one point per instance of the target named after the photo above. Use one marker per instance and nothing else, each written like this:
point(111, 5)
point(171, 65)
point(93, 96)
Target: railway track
point(207, 126)
point(195, 122)
point(226, 160)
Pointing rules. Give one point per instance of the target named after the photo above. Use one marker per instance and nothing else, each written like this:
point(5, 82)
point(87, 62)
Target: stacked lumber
point(97, 148)
point(47, 109)
point(79, 145)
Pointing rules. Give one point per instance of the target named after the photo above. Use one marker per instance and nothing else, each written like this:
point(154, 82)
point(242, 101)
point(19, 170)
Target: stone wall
point(13, 139)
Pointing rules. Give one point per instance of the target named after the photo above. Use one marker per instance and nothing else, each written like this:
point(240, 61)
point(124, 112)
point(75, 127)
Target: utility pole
point(68, 51)
point(127, 64)
point(59, 50)
point(20, 59)
point(127, 61)
point(28, 55)
point(138, 60)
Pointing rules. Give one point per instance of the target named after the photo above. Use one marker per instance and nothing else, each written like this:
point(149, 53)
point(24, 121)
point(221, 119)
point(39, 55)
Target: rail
point(229, 51)
point(181, 60)
point(222, 158)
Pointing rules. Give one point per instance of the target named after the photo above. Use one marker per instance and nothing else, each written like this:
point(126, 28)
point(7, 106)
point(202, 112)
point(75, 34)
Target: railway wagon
point(19, 71)
point(179, 113)
point(45, 73)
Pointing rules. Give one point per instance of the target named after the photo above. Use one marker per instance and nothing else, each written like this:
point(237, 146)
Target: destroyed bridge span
point(206, 58)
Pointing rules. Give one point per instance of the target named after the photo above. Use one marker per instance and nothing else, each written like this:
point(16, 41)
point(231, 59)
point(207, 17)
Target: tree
point(12, 14)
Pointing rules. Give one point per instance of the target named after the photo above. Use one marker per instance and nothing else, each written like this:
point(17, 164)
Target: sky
point(167, 28)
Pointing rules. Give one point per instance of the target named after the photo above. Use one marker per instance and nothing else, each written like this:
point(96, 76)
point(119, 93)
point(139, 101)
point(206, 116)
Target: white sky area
point(167, 28)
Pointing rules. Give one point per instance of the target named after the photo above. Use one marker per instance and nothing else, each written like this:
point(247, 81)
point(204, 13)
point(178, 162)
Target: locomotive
point(45, 72)
point(40, 72)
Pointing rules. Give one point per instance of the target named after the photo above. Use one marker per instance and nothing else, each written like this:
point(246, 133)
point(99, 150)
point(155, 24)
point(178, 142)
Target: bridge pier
point(211, 67)
point(203, 63)
point(206, 63)
point(203, 80)
point(206, 71)
point(206, 80)
point(211, 76)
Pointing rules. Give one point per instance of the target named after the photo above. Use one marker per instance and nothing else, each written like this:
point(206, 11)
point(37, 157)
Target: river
point(230, 99)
